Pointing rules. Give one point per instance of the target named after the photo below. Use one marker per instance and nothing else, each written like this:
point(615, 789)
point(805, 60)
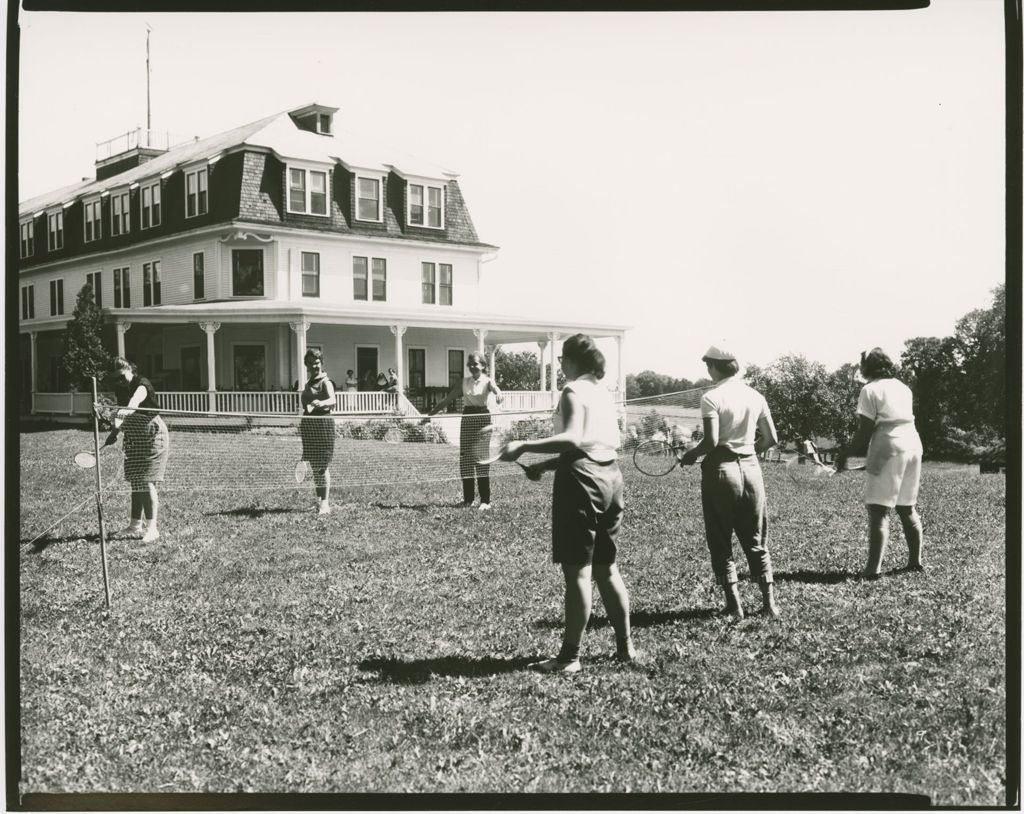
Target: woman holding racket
point(316, 428)
point(146, 443)
point(586, 503)
point(475, 390)
point(885, 414)
point(737, 425)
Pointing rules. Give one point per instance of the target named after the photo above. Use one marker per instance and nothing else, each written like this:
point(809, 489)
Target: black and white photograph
point(520, 409)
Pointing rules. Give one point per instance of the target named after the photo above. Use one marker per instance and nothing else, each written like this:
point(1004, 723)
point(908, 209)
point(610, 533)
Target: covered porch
point(247, 357)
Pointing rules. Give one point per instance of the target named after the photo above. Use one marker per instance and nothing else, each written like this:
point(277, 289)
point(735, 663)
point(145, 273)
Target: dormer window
point(196, 192)
point(149, 203)
point(55, 230)
point(28, 238)
point(426, 207)
point(307, 191)
point(323, 124)
point(120, 214)
point(93, 218)
point(369, 205)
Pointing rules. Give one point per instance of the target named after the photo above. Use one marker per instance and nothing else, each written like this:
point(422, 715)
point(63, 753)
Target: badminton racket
point(490, 445)
point(656, 458)
point(301, 471)
point(807, 469)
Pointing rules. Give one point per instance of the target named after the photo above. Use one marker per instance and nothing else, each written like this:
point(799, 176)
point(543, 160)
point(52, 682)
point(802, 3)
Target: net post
point(99, 491)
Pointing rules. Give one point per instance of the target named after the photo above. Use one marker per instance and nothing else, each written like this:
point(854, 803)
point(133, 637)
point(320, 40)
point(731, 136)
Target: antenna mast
point(148, 122)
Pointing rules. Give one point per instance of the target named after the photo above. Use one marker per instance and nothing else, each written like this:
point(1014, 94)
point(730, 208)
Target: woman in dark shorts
point(586, 504)
point(316, 427)
point(146, 444)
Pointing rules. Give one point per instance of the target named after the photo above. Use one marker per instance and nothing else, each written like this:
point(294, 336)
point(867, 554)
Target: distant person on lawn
point(316, 427)
point(737, 426)
point(146, 445)
point(474, 390)
point(586, 502)
point(885, 415)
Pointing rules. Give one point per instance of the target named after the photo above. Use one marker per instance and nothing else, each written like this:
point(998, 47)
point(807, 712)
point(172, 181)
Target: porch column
point(299, 329)
point(210, 328)
point(542, 344)
point(481, 335)
point(553, 338)
point(399, 331)
point(492, 351)
point(122, 329)
point(619, 341)
point(32, 357)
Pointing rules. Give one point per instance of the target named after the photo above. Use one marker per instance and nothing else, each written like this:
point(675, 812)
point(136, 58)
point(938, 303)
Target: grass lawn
point(258, 648)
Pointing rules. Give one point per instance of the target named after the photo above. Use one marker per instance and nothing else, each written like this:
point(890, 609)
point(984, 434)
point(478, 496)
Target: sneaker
point(324, 508)
point(485, 507)
point(553, 665)
point(131, 532)
point(628, 655)
point(151, 535)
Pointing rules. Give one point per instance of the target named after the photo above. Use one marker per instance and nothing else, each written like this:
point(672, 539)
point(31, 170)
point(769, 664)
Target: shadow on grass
point(637, 619)
point(816, 577)
point(252, 512)
point(420, 671)
point(415, 507)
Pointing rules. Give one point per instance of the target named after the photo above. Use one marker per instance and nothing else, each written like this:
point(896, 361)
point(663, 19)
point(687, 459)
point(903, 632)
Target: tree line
point(959, 381)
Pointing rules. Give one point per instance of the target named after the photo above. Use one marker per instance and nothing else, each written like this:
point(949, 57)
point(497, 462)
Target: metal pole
point(99, 491)
point(148, 123)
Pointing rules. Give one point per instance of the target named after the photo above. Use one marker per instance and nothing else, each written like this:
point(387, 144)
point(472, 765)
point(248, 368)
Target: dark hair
point(727, 367)
point(585, 354)
point(876, 364)
point(313, 354)
point(475, 354)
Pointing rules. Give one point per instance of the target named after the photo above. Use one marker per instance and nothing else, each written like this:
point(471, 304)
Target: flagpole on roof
point(148, 123)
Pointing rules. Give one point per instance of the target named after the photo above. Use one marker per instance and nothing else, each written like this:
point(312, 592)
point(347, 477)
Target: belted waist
point(474, 410)
point(721, 454)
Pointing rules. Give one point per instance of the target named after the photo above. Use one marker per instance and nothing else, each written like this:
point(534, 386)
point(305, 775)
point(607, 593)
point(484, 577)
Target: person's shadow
point(816, 577)
point(420, 671)
point(637, 619)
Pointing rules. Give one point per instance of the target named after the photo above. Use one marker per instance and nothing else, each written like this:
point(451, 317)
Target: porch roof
point(501, 328)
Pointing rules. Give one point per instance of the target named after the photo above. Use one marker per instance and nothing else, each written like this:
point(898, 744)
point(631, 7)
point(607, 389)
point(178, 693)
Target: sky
point(786, 182)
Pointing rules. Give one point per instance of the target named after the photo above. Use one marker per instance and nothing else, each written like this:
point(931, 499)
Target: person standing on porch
point(475, 390)
point(316, 428)
point(146, 443)
point(351, 382)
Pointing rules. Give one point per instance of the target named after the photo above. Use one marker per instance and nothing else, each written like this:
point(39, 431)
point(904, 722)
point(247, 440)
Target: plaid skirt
point(146, 445)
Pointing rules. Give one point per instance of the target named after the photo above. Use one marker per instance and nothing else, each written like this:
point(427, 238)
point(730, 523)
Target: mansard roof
point(277, 133)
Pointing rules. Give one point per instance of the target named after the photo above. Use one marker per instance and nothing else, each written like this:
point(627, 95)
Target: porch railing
point(278, 401)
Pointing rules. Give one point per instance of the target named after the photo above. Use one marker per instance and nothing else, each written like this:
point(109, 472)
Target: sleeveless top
point(315, 390)
point(600, 422)
point(475, 391)
point(124, 393)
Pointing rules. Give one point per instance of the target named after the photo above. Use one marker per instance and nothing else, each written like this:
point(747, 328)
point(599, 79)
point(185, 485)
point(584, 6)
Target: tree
point(805, 399)
point(84, 354)
point(517, 371)
point(980, 338)
point(933, 371)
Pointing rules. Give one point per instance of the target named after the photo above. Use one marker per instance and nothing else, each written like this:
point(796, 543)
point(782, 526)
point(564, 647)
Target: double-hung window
point(429, 283)
point(149, 204)
point(55, 230)
point(93, 220)
point(28, 238)
point(307, 191)
point(437, 283)
point(122, 288)
point(28, 302)
point(444, 284)
point(369, 203)
point(95, 281)
point(310, 274)
point(56, 298)
point(425, 206)
point(151, 283)
point(196, 192)
point(198, 276)
point(120, 215)
point(247, 273)
point(370, 278)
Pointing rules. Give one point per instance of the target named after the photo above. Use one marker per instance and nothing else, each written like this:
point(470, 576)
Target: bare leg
point(878, 539)
point(578, 597)
point(913, 530)
point(616, 604)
